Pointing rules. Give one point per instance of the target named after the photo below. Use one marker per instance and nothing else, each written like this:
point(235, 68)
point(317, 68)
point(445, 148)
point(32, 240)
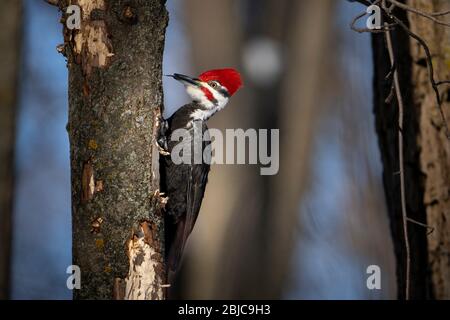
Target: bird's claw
point(160, 199)
point(163, 151)
point(162, 138)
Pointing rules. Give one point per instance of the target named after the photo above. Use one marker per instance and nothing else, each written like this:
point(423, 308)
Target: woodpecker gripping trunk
point(185, 181)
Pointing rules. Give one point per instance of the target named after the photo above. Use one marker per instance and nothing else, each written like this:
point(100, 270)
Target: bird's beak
point(186, 80)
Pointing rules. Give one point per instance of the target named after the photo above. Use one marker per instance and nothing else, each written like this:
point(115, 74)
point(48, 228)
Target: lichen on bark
point(114, 103)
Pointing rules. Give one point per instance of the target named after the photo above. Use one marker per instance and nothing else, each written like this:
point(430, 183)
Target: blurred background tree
point(306, 232)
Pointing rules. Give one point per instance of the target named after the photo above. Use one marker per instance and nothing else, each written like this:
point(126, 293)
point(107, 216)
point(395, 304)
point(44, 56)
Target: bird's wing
point(195, 193)
point(197, 179)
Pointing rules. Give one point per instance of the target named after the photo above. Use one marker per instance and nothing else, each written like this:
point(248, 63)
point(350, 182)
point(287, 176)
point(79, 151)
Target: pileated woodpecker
point(185, 183)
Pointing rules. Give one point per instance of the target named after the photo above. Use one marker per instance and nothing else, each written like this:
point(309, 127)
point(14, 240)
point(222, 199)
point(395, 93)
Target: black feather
point(185, 185)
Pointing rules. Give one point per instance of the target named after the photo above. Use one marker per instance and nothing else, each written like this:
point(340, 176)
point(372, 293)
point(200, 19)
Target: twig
point(422, 225)
point(363, 2)
point(442, 82)
point(390, 96)
point(433, 82)
point(438, 14)
point(431, 16)
point(53, 2)
point(362, 30)
point(400, 159)
point(391, 71)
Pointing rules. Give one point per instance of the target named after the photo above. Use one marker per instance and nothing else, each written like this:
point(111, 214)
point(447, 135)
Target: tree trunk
point(426, 151)
point(115, 101)
point(10, 42)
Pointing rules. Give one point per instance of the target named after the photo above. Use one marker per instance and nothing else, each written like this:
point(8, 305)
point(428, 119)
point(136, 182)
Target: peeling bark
point(426, 152)
point(146, 272)
point(10, 39)
point(91, 44)
point(115, 100)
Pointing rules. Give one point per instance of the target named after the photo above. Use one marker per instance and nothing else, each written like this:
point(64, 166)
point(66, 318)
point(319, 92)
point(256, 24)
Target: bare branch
point(387, 27)
point(362, 30)
point(53, 2)
point(433, 82)
point(439, 83)
point(431, 16)
point(400, 158)
point(438, 14)
point(363, 2)
point(422, 225)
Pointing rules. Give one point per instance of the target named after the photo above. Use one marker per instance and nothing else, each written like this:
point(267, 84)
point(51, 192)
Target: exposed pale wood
point(115, 100)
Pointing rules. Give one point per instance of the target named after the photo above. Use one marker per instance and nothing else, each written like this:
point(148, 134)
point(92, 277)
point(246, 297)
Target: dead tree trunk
point(10, 40)
point(115, 100)
point(426, 150)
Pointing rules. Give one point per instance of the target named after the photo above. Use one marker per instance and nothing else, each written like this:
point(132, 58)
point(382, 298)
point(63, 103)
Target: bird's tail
point(176, 243)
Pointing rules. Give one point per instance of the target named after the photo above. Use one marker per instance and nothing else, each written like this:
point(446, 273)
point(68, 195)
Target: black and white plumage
point(185, 183)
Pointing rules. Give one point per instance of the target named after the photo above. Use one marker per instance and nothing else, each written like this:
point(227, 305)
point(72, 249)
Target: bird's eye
point(213, 84)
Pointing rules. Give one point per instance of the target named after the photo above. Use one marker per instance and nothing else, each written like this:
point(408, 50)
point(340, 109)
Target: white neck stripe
point(209, 107)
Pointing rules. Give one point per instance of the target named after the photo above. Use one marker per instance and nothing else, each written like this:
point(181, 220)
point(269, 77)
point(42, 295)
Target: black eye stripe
point(221, 89)
point(224, 92)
